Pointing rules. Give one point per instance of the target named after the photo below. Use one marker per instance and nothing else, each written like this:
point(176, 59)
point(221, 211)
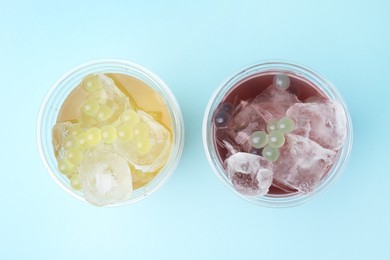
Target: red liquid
point(251, 87)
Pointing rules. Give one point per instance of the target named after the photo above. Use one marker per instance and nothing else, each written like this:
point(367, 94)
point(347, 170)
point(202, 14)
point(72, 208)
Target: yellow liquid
point(141, 96)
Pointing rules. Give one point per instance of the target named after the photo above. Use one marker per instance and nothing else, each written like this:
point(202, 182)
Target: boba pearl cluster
point(275, 138)
point(82, 139)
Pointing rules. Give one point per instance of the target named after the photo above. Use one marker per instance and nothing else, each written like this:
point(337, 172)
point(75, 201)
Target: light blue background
point(193, 47)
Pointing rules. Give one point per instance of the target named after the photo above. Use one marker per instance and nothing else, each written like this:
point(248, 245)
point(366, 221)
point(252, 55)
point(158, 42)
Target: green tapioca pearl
point(271, 153)
point(281, 81)
point(276, 139)
point(285, 125)
point(272, 125)
point(259, 139)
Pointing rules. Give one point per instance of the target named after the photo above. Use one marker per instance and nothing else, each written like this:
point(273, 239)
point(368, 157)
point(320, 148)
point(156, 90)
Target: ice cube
point(273, 103)
point(323, 122)
point(273, 94)
point(244, 115)
point(302, 163)
point(105, 177)
point(228, 146)
point(60, 133)
point(250, 174)
point(243, 124)
point(161, 142)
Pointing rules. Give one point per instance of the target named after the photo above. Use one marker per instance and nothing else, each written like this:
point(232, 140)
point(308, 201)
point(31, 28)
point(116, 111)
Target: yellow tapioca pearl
point(75, 130)
point(141, 130)
point(94, 136)
point(104, 113)
point(129, 116)
point(69, 142)
point(90, 107)
point(74, 155)
point(109, 134)
point(125, 132)
point(143, 145)
point(65, 166)
point(75, 182)
point(92, 83)
point(82, 142)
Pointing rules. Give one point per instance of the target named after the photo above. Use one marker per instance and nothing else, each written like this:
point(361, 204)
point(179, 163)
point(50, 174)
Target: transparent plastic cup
point(327, 88)
point(58, 93)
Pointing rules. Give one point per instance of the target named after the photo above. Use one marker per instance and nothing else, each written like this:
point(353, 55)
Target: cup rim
point(276, 201)
point(97, 65)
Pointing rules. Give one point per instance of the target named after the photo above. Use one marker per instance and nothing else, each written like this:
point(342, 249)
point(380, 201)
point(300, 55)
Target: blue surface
point(193, 47)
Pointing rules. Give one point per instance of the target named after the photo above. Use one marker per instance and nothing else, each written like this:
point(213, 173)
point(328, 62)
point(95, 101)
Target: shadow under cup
point(251, 73)
point(53, 101)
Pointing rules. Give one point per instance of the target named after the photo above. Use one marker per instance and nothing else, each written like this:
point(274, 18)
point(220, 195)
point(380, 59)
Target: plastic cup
point(324, 85)
point(58, 93)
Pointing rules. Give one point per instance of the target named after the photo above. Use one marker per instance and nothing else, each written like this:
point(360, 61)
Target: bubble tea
point(114, 134)
point(274, 133)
